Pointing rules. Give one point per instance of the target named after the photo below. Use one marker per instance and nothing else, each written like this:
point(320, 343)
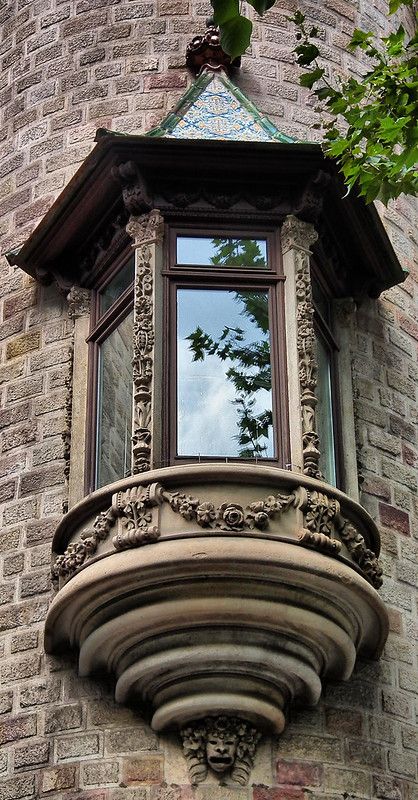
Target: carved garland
point(77, 552)
point(360, 553)
point(138, 510)
point(146, 230)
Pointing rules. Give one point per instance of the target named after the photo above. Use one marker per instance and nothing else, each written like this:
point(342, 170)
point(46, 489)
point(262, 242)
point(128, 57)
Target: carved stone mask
point(221, 752)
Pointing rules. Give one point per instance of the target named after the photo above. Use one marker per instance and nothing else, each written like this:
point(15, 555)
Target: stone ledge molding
point(218, 590)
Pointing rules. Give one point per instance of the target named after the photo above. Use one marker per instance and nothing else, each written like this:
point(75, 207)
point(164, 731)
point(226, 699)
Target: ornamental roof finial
point(205, 52)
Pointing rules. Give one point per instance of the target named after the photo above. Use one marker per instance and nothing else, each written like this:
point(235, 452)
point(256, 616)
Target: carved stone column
point(76, 417)
point(147, 233)
point(297, 237)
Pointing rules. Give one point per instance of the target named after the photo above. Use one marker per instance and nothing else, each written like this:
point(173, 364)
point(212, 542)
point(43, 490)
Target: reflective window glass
point(114, 413)
point(224, 388)
point(208, 251)
point(327, 463)
point(117, 285)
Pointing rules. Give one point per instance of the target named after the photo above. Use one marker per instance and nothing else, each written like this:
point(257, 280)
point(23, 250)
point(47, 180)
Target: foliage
point(370, 123)
point(250, 365)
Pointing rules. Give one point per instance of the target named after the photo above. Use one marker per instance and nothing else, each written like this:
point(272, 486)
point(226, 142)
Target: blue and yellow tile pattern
point(214, 108)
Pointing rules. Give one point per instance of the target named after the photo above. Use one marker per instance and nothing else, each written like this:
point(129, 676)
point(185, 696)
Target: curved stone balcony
point(218, 589)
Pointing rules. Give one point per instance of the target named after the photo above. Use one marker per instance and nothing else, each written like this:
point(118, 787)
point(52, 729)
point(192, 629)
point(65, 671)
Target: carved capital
point(224, 745)
point(78, 302)
point(296, 234)
point(146, 229)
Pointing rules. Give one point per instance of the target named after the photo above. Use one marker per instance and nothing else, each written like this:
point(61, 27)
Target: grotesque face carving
point(226, 745)
point(221, 751)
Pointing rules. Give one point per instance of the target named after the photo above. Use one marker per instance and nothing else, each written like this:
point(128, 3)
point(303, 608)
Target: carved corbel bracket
point(79, 301)
point(309, 205)
point(136, 197)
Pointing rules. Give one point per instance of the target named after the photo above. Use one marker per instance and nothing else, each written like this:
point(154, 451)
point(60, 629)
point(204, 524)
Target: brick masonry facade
point(66, 69)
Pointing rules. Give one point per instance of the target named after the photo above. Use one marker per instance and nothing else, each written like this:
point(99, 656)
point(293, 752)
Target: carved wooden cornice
point(275, 179)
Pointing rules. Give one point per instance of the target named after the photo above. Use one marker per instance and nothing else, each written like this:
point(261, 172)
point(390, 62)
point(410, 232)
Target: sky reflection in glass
point(222, 251)
point(224, 398)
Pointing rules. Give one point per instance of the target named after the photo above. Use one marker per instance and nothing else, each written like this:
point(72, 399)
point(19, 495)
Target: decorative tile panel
point(214, 108)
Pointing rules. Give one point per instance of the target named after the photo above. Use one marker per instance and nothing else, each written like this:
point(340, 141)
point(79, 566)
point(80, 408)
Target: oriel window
point(224, 349)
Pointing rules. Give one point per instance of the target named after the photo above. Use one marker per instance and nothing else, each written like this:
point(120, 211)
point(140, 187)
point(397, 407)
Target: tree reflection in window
point(240, 354)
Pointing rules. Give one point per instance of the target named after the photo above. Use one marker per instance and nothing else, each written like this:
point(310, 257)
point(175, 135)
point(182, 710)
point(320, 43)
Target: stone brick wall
point(67, 67)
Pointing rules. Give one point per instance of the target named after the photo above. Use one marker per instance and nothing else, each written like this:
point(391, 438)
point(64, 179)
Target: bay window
point(225, 352)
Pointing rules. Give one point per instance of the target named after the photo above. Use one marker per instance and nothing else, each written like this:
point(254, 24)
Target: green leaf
point(310, 78)
point(306, 53)
point(394, 5)
point(224, 10)
point(298, 18)
point(236, 35)
point(359, 39)
point(261, 6)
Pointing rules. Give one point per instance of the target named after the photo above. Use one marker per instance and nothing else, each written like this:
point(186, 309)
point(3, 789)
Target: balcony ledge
point(217, 590)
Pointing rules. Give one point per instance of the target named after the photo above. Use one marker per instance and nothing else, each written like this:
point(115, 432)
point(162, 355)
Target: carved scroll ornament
point(225, 745)
point(146, 230)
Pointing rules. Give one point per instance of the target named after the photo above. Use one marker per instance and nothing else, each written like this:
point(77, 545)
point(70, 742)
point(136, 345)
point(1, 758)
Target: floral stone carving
point(138, 510)
point(226, 745)
point(146, 230)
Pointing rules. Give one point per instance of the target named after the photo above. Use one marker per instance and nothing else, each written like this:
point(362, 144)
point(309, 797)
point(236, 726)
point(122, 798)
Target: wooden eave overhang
point(255, 180)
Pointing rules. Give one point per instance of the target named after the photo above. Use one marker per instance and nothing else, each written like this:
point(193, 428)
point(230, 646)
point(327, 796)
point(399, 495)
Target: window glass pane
point(224, 391)
point(117, 285)
point(325, 415)
point(207, 251)
point(321, 301)
point(114, 416)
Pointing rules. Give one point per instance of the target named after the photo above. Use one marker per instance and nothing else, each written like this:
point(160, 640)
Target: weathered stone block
point(31, 755)
point(296, 772)
point(18, 787)
point(100, 773)
point(16, 728)
point(47, 691)
point(130, 740)
point(58, 778)
point(78, 746)
point(62, 718)
point(23, 344)
point(142, 770)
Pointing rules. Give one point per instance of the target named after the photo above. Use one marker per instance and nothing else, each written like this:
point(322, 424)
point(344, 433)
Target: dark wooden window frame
point(271, 279)
point(101, 326)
